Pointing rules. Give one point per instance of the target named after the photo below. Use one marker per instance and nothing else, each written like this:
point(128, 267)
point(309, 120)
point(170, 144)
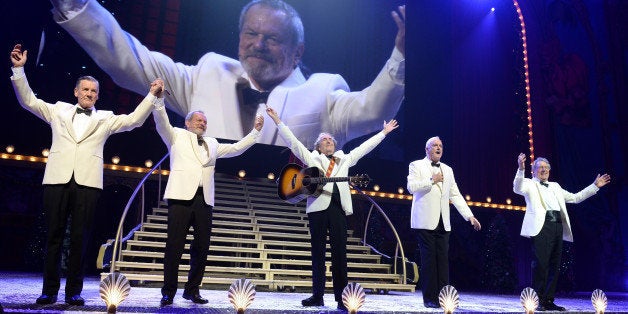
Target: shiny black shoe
point(46, 299)
point(313, 301)
point(341, 307)
point(165, 301)
point(430, 304)
point(196, 298)
point(75, 300)
point(551, 306)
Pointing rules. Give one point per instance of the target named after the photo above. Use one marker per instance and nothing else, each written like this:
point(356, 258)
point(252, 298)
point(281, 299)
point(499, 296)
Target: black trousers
point(334, 220)
point(547, 249)
point(182, 215)
point(62, 201)
point(434, 248)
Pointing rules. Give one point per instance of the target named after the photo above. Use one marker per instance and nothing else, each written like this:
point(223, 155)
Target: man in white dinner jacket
point(73, 179)
point(546, 223)
point(327, 212)
point(433, 186)
point(190, 195)
point(271, 45)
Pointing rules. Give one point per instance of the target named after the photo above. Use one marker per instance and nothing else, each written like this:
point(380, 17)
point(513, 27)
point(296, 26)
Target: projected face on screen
point(267, 50)
point(201, 70)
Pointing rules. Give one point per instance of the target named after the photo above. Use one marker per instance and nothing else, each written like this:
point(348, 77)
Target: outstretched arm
point(129, 63)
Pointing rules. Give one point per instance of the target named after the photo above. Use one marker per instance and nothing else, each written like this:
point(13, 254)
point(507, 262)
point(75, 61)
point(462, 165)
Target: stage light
point(241, 173)
point(529, 300)
point(10, 149)
point(400, 190)
point(508, 201)
point(448, 299)
point(489, 199)
point(271, 176)
point(375, 187)
point(492, 9)
point(113, 290)
point(241, 294)
point(45, 152)
point(599, 301)
point(148, 163)
point(353, 297)
point(467, 197)
point(115, 160)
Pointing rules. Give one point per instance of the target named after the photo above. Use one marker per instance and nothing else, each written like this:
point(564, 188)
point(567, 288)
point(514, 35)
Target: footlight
point(113, 290)
point(598, 298)
point(353, 297)
point(241, 294)
point(448, 299)
point(529, 300)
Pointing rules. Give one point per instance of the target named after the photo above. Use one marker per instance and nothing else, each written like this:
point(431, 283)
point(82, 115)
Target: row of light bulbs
point(115, 160)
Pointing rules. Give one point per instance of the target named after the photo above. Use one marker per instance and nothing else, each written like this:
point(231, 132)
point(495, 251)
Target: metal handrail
point(399, 246)
point(126, 210)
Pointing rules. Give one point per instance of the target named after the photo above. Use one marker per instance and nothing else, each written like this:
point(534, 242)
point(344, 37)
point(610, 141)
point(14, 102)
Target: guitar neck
point(329, 179)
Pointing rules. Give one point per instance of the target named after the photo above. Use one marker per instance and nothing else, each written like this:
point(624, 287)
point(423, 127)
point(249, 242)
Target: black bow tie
point(201, 141)
point(544, 184)
point(253, 97)
point(435, 164)
point(80, 110)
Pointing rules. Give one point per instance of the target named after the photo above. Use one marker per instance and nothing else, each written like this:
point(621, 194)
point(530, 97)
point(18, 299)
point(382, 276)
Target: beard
point(270, 73)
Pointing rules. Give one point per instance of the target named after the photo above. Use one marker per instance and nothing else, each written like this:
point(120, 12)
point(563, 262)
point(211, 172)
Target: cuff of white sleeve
point(17, 72)
point(158, 103)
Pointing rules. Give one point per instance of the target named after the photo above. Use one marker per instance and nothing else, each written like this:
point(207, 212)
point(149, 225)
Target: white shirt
point(550, 199)
point(80, 122)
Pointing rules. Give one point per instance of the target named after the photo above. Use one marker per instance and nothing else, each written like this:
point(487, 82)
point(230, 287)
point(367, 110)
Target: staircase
point(255, 235)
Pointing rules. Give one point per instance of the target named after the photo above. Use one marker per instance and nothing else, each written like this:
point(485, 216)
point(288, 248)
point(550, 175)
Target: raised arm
point(400, 20)
point(121, 123)
point(129, 63)
point(517, 185)
point(354, 114)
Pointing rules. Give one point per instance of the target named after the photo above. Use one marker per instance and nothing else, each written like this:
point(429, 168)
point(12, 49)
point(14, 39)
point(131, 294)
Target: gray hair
point(296, 25)
point(538, 160)
point(188, 117)
point(86, 78)
point(431, 139)
point(320, 138)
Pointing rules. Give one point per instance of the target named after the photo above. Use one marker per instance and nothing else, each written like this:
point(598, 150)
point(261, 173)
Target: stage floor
point(18, 292)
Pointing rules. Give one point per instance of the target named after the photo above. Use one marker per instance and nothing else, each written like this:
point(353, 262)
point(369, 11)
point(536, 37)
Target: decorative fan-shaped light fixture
point(599, 301)
point(113, 290)
point(353, 297)
point(448, 299)
point(529, 300)
point(241, 294)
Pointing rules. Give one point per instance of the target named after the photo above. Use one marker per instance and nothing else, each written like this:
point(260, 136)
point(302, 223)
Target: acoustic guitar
point(296, 183)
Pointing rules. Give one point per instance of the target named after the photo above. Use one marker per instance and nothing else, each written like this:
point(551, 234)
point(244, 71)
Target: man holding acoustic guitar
point(328, 210)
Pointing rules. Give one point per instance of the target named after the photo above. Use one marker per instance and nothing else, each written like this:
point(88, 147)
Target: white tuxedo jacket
point(534, 217)
point(430, 201)
point(70, 154)
point(188, 166)
point(341, 168)
point(322, 103)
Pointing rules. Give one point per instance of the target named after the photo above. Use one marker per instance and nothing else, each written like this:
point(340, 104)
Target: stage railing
point(140, 186)
point(399, 246)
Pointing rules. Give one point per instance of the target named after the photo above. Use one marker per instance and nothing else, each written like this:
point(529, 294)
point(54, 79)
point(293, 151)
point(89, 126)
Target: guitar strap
point(330, 168)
